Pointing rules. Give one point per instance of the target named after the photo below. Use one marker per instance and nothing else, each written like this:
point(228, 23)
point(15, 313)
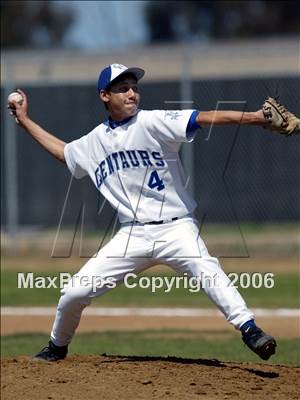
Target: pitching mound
point(107, 377)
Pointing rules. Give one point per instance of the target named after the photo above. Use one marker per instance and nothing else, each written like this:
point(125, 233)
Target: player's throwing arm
point(18, 105)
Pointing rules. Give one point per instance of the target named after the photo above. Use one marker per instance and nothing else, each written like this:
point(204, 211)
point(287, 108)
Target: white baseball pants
point(136, 248)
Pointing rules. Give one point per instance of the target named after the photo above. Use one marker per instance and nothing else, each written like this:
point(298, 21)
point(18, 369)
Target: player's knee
point(79, 295)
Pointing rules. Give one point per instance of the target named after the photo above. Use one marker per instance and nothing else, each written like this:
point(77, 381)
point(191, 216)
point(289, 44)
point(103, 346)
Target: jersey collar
point(114, 124)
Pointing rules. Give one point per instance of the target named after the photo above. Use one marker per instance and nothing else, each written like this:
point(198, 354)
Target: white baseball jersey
point(136, 165)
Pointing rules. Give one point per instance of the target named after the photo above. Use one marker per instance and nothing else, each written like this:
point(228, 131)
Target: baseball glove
point(279, 119)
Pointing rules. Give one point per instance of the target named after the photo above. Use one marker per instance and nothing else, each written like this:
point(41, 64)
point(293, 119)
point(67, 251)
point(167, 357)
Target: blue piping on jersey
point(193, 124)
point(114, 124)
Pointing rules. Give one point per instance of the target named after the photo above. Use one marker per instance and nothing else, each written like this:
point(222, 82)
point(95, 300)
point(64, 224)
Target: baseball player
point(132, 159)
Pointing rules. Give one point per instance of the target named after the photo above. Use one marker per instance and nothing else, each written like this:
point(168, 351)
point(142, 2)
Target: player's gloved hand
point(278, 119)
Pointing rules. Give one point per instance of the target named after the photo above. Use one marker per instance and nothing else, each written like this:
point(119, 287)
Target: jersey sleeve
point(171, 125)
point(193, 125)
point(76, 156)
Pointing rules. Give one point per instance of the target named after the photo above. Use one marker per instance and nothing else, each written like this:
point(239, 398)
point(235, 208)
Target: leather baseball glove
point(279, 119)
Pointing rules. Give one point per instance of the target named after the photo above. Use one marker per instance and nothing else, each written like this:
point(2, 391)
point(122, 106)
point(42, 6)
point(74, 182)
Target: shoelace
point(53, 349)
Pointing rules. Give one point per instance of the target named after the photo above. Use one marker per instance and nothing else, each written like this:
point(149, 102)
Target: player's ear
point(104, 96)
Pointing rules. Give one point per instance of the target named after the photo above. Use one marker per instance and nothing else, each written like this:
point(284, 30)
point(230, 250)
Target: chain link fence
point(240, 173)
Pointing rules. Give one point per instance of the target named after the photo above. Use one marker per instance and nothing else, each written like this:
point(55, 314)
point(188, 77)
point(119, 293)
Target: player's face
point(122, 98)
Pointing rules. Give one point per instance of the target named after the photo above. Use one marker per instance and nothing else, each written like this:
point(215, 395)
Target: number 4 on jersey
point(155, 181)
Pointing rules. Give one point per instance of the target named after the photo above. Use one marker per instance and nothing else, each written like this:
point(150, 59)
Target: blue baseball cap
point(113, 71)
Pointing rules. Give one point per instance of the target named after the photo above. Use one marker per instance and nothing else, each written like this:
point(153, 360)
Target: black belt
point(163, 221)
point(160, 222)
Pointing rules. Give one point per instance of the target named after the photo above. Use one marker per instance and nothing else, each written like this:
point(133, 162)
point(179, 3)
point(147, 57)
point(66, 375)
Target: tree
point(192, 19)
point(33, 24)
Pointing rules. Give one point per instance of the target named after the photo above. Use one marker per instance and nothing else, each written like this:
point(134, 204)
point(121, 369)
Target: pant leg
point(185, 251)
point(111, 264)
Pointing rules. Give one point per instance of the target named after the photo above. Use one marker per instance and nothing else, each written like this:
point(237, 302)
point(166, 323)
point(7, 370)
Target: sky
point(105, 24)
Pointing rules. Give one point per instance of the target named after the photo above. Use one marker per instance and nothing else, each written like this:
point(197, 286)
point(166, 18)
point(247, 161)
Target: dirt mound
point(107, 377)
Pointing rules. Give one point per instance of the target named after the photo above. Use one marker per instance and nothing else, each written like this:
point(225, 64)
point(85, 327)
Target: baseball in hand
point(14, 96)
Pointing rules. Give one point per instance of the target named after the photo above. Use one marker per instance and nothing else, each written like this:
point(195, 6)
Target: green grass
point(285, 293)
point(188, 344)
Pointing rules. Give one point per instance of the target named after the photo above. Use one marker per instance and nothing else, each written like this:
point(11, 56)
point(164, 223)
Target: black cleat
point(51, 353)
point(258, 341)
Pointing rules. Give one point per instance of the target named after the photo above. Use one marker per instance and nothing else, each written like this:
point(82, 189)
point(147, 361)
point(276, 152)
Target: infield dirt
point(107, 377)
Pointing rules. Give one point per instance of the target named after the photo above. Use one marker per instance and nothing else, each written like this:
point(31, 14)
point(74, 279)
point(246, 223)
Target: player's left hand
point(279, 119)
